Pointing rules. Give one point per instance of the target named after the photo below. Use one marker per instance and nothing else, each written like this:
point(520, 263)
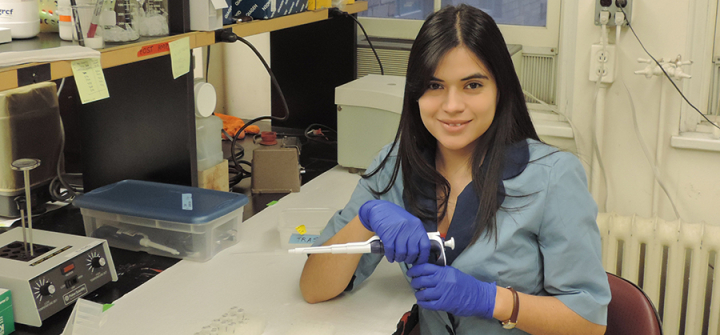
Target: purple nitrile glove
point(445, 288)
point(402, 234)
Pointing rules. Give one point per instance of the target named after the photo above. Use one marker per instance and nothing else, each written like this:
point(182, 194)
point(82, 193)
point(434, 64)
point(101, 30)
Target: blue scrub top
point(548, 242)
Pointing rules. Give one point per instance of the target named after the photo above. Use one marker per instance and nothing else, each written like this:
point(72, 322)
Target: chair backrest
point(630, 311)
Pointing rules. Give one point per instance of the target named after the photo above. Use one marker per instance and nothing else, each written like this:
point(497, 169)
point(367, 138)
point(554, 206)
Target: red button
point(68, 268)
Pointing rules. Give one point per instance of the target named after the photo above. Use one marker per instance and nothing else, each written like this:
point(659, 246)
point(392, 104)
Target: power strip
point(612, 7)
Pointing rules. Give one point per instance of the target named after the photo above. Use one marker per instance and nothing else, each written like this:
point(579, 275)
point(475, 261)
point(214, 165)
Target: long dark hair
point(443, 31)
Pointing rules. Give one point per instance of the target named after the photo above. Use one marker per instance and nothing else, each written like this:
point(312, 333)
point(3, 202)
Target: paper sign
point(180, 56)
point(90, 80)
point(302, 239)
point(187, 201)
point(301, 229)
point(219, 4)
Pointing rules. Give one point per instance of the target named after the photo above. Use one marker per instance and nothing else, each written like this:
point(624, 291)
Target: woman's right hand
point(403, 235)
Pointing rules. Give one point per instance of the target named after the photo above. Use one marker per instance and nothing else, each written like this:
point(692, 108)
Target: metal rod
point(22, 220)
point(28, 202)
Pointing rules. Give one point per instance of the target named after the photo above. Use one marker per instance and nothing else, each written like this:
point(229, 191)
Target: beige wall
point(692, 177)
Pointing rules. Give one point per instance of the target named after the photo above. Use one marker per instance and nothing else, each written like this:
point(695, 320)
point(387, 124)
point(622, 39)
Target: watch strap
point(510, 323)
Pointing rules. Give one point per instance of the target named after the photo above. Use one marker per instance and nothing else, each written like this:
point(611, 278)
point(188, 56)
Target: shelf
point(116, 55)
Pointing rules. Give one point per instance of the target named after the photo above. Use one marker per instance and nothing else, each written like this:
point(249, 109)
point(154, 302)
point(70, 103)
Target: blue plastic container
point(163, 219)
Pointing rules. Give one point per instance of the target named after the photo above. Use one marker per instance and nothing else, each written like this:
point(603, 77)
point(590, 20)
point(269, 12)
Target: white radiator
point(673, 261)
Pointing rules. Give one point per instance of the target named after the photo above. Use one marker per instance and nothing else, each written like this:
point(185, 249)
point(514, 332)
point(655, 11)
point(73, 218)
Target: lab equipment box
point(368, 114)
point(267, 9)
point(163, 219)
point(300, 227)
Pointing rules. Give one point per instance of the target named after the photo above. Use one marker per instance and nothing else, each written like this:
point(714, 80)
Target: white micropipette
point(374, 245)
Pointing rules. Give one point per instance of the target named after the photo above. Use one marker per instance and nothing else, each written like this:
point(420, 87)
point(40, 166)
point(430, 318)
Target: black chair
point(630, 311)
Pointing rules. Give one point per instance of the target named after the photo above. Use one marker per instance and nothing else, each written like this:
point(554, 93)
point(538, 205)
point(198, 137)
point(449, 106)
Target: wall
point(691, 176)
point(240, 78)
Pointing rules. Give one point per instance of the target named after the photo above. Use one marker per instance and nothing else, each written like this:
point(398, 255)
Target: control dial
point(95, 261)
point(43, 288)
point(47, 289)
point(98, 262)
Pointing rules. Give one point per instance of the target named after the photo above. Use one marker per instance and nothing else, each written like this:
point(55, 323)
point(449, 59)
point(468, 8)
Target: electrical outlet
point(612, 6)
point(602, 63)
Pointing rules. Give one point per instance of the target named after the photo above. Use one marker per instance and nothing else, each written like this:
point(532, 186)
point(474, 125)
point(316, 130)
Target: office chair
point(630, 311)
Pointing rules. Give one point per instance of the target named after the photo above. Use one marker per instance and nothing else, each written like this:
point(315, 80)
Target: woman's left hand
point(445, 288)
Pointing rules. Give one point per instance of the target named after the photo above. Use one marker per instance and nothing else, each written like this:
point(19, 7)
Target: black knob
point(47, 289)
point(98, 262)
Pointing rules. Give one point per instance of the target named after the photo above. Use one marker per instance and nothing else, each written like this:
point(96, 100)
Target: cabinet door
point(309, 61)
point(144, 131)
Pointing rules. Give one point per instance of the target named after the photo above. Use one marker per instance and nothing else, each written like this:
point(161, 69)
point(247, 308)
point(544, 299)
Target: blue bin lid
point(160, 201)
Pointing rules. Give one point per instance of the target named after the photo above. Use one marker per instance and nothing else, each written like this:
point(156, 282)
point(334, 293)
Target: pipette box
point(7, 320)
point(163, 219)
point(300, 227)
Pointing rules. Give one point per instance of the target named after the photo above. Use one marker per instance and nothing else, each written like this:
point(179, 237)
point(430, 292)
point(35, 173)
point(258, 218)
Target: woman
point(467, 162)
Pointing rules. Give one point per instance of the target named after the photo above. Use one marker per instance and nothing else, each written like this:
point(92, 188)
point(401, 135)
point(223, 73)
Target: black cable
point(382, 72)
point(337, 12)
point(310, 137)
point(55, 192)
point(666, 74)
point(207, 65)
point(240, 174)
point(230, 36)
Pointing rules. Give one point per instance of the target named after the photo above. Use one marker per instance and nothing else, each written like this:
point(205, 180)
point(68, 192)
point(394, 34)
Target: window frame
point(547, 36)
point(702, 37)
point(716, 53)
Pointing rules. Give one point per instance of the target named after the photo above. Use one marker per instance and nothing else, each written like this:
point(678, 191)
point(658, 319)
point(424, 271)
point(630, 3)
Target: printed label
point(187, 204)
point(76, 293)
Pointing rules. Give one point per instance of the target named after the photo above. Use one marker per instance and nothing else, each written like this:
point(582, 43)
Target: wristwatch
point(510, 323)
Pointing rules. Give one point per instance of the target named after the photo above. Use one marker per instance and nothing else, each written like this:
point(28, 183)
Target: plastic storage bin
point(291, 221)
point(163, 219)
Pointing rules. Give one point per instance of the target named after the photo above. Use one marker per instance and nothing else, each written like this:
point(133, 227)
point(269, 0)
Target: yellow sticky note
point(90, 80)
point(180, 56)
point(301, 229)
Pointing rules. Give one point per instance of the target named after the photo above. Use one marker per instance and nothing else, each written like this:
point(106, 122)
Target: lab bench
point(260, 277)
point(160, 295)
point(136, 268)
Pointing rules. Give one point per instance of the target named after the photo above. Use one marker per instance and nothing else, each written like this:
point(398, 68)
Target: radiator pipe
point(659, 146)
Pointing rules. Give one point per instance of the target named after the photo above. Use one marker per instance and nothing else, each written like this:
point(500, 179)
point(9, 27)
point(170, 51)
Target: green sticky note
point(271, 203)
point(107, 306)
point(90, 80)
point(180, 56)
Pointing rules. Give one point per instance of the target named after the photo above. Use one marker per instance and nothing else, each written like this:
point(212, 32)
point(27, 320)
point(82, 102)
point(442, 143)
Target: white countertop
point(261, 278)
